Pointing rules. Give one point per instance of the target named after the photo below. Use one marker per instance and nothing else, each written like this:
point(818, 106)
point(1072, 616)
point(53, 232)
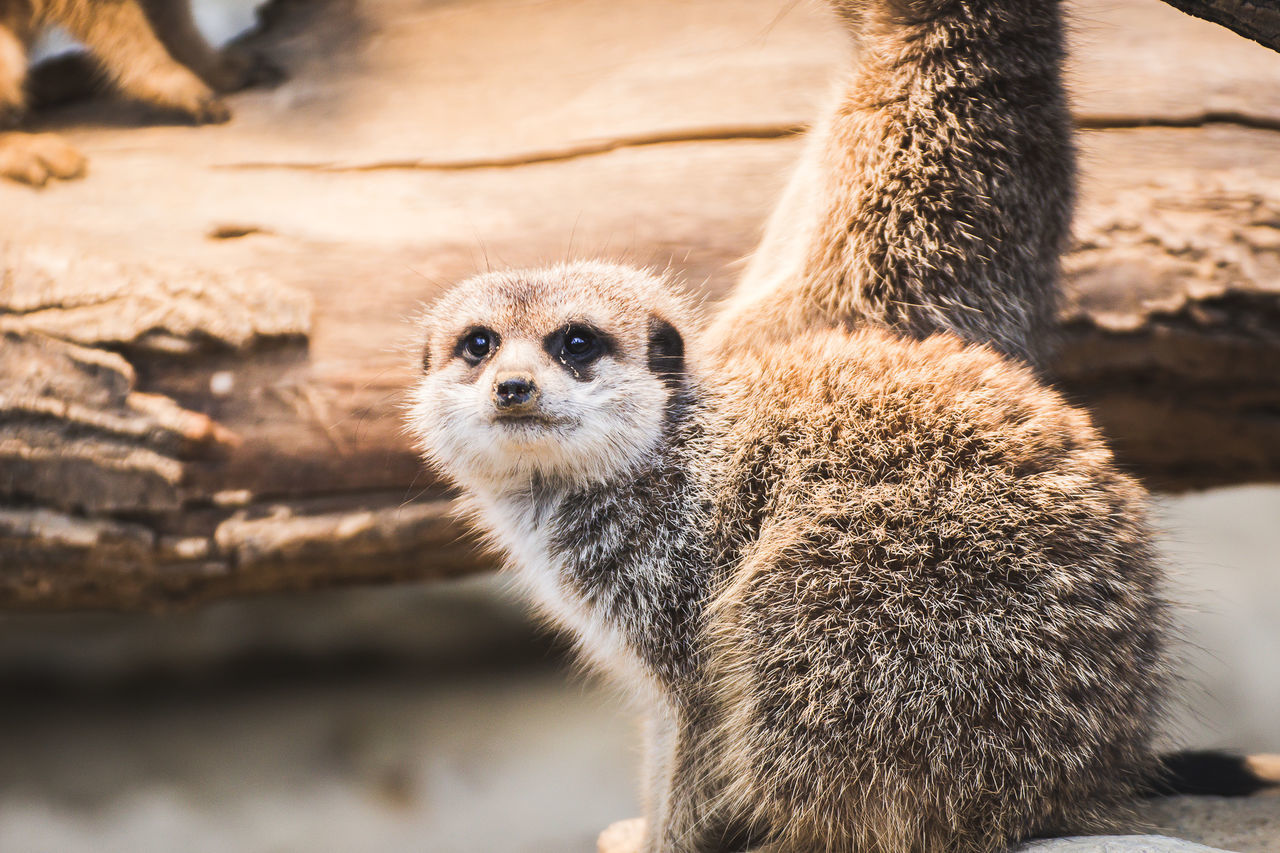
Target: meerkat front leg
point(684, 813)
point(119, 34)
point(31, 158)
point(226, 70)
point(13, 73)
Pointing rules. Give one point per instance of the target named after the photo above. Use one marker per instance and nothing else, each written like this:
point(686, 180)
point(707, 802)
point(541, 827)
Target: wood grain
point(248, 288)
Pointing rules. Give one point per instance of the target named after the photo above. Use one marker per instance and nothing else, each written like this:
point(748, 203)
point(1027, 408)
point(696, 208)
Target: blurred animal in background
point(149, 50)
point(935, 195)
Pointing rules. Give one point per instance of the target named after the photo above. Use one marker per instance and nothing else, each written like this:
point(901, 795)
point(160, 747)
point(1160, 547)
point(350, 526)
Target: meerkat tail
point(936, 194)
point(1215, 773)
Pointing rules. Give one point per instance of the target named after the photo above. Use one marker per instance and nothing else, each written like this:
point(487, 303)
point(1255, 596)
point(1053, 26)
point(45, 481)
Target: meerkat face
point(564, 375)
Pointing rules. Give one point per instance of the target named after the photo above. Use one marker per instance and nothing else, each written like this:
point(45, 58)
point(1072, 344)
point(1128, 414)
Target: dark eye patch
point(475, 345)
point(580, 342)
point(577, 346)
point(666, 351)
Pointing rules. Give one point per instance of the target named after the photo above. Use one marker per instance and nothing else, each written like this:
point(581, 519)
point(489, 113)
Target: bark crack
point(572, 151)
point(598, 147)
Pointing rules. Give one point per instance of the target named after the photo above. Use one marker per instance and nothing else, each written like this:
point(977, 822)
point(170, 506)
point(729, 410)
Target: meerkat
point(936, 193)
point(879, 588)
point(878, 594)
point(149, 49)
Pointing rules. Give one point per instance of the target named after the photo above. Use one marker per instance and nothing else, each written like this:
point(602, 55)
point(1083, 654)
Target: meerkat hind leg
point(121, 37)
point(684, 815)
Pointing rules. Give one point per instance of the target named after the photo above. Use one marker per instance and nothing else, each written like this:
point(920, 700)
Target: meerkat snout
point(514, 393)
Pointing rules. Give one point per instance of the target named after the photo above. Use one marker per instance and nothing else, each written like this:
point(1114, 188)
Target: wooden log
point(217, 319)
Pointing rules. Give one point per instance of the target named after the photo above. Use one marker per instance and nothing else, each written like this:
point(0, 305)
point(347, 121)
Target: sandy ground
point(435, 719)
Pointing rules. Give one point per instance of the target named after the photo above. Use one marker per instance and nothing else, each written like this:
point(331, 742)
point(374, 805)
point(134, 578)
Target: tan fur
point(880, 589)
point(935, 194)
point(879, 594)
point(946, 632)
point(149, 49)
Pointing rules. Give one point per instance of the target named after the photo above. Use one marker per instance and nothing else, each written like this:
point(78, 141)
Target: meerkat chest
point(543, 572)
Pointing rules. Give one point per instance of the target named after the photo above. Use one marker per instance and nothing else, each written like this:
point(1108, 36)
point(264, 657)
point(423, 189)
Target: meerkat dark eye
point(580, 343)
point(477, 344)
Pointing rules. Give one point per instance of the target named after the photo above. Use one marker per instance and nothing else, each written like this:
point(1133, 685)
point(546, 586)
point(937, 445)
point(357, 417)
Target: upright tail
point(1213, 773)
point(936, 195)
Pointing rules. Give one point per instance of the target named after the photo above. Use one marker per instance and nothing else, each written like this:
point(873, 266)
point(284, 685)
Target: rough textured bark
point(1254, 19)
point(205, 343)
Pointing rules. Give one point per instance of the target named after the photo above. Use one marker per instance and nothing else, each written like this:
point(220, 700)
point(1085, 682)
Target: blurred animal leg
point(13, 72)
point(683, 811)
point(31, 158)
point(120, 36)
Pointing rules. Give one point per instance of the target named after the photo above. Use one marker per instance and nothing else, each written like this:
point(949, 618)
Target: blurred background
point(235, 615)
point(435, 717)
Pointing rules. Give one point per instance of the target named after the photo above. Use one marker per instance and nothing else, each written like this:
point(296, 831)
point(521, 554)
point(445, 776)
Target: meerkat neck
point(624, 564)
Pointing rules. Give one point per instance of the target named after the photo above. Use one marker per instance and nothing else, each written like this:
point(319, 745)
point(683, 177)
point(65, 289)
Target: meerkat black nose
point(514, 392)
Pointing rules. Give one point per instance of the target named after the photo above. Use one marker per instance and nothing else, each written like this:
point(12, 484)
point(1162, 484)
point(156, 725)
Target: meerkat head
point(564, 374)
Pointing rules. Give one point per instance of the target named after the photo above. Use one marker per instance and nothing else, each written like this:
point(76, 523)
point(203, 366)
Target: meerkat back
point(946, 629)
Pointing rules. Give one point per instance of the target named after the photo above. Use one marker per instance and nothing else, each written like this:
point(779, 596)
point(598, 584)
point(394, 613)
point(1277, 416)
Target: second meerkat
point(936, 194)
point(151, 50)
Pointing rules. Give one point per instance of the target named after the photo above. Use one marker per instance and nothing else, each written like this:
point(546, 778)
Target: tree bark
point(204, 346)
point(1258, 20)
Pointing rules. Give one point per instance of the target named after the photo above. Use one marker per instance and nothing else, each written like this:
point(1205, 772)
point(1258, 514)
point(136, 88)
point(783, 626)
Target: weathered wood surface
point(206, 340)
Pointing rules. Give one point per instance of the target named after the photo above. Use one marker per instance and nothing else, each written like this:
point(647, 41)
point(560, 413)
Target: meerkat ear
point(666, 351)
point(426, 358)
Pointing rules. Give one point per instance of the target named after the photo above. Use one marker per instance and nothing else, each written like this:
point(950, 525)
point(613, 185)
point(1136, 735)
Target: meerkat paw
point(624, 836)
point(12, 112)
point(34, 158)
point(242, 69)
point(178, 90)
point(211, 110)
